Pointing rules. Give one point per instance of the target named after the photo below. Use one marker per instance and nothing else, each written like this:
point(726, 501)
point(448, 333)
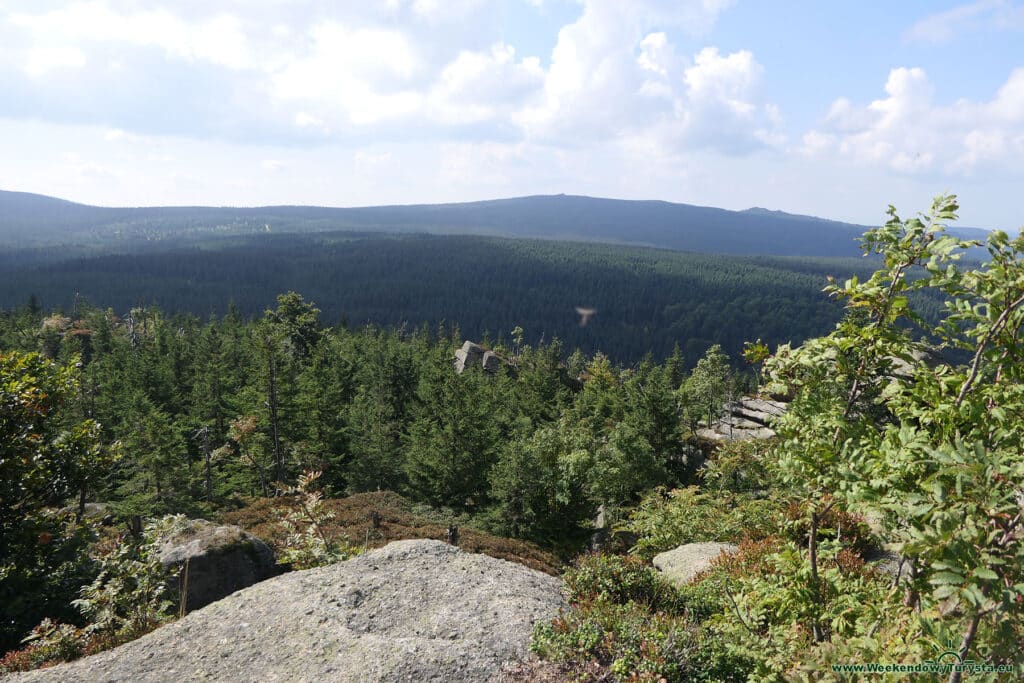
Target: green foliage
point(45, 561)
point(132, 592)
point(628, 619)
point(539, 487)
point(764, 610)
point(740, 467)
point(648, 300)
point(307, 543)
point(454, 439)
point(46, 456)
point(617, 579)
point(882, 424)
point(129, 597)
point(666, 519)
point(709, 385)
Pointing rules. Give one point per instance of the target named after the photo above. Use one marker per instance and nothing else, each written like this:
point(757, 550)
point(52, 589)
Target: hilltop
point(38, 220)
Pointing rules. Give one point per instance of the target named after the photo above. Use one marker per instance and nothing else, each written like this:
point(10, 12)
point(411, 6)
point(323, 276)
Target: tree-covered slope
point(647, 300)
point(27, 220)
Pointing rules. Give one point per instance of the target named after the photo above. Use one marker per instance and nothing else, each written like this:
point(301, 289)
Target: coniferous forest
point(901, 442)
point(647, 300)
point(198, 416)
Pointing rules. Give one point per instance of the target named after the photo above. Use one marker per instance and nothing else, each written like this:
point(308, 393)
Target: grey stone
point(746, 419)
point(469, 355)
point(419, 618)
point(775, 408)
point(722, 432)
point(219, 560)
point(473, 355)
point(491, 362)
point(680, 565)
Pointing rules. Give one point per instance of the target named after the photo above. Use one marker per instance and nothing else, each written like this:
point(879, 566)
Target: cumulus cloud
point(43, 59)
point(909, 132)
point(360, 75)
point(483, 86)
point(612, 76)
point(392, 69)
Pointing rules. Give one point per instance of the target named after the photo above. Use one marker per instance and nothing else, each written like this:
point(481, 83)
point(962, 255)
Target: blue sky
point(829, 108)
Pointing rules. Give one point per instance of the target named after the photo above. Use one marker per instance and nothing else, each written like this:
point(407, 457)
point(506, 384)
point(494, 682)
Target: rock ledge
point(413, 610)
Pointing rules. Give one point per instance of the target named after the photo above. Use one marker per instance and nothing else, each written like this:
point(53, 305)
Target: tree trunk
point(205, 433)
point(272, 405)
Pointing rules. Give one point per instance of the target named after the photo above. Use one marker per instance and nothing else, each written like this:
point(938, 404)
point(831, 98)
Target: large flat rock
point(411, 611)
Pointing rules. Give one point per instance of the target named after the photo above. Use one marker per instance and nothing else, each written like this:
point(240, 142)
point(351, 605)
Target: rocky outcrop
point(218, 560)
point(680, 565)
point(411, 611)
point(748, 418)
point(473, 355)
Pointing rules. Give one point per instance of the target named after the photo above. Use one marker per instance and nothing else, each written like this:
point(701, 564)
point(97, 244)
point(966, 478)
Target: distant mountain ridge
point(28, 220)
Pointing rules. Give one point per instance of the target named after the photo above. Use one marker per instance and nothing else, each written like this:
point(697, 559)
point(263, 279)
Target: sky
point(835, 109)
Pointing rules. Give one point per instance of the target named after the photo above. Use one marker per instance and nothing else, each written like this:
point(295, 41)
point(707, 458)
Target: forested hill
point(35, 220)
point(647, 300)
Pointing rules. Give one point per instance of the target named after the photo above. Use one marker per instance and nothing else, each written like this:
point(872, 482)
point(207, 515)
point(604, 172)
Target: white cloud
point(724, 81)
point(443, 9)
point(361, 76)
point(218, 39)
point(942, 27)
point(482, 86)
point(42, 60)
point(908, 132)
point(656, 54)
point(304, 120)
point(613, 76)
point(367, 159)
point(392, 71)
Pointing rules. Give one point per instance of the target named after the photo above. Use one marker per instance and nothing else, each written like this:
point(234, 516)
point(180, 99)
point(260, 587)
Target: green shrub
point(836, 525)
point(129, 597)
point(664, 520)
point(620, 580)
point(307, 543)
point(634, 643)
point(629, 620)
point(44, 562)
point(766, 605)
point(740, 467)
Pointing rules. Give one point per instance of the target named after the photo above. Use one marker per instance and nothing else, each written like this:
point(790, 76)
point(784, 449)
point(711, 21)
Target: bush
point(708, 593)
point(307, 543)
point(128, 598)
point(43, 565)
point(620, 580)
point(131, 596)
point(740, 467)
point(664, 520)
point(836, 524)
point(634, 624)
point(763, 605)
